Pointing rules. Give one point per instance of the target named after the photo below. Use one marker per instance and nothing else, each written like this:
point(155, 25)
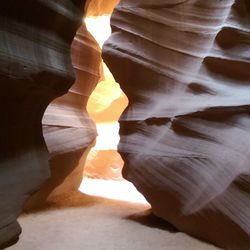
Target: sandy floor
point(79, 221)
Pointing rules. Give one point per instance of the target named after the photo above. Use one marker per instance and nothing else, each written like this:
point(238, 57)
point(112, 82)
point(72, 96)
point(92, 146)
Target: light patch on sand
point(115, 190)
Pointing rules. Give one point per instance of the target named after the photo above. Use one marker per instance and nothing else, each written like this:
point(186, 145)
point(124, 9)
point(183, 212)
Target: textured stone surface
point(100, 7)
point(35, 68)
point(68, 131)
point(103, 164)
point(185, 137)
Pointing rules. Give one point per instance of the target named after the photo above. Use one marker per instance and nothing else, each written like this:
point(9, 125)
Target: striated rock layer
point(68, 131)
point(185, 136)
point(35, 68)
point(99, 7)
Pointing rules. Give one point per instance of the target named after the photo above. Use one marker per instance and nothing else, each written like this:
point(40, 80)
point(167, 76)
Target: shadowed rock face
point(185, 137)
point(35, 68)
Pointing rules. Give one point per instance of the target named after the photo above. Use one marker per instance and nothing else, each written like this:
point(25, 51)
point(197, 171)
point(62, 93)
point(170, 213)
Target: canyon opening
point(103, 166)
point(183, 128)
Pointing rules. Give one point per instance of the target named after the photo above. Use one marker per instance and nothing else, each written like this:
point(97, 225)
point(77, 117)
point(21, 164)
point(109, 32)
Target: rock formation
point(35, 68)
point(68, 131)
point(106, 103)
point(105, 106)
point(185, 137)
point(100, 7)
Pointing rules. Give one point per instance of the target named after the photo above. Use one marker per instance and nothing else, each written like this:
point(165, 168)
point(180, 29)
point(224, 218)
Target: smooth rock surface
point(35, 68)
point(68, 130)
point(103, 164)
point(185, 137)
point(100, 7)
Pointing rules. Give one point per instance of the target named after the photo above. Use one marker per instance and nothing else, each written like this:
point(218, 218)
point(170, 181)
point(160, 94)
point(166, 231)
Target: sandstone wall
point(185, 137)
point(100, 7)
point(35, 68)
point(68, 130)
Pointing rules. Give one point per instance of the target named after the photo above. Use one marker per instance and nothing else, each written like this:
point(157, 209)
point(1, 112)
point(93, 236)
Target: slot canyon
point(148, 100)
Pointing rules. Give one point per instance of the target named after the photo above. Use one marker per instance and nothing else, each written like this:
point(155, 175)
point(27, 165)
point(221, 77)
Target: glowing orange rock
point(68, 130)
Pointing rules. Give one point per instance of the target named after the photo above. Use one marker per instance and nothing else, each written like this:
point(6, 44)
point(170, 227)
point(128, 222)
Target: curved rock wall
point(185, 137)
point(68, 131)
point(35, 68)
point(100, 7)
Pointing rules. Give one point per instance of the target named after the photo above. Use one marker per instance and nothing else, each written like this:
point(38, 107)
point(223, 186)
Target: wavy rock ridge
point(100, 7)
point(68, 130)
point(35, 68)
point(185, 138)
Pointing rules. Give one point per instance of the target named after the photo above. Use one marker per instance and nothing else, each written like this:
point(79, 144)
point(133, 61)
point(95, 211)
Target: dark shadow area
point(9, 243)
point(147, 218)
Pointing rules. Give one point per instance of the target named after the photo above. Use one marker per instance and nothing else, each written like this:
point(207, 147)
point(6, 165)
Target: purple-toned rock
point(185, 136)
point(35, 68)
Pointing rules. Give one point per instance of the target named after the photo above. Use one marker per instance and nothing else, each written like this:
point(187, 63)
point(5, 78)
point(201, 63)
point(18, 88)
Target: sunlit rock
point(105, 106)
point(108, 101)
point(68, 130)
point(100, 7)
point(185, 137)
point(103, 164)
